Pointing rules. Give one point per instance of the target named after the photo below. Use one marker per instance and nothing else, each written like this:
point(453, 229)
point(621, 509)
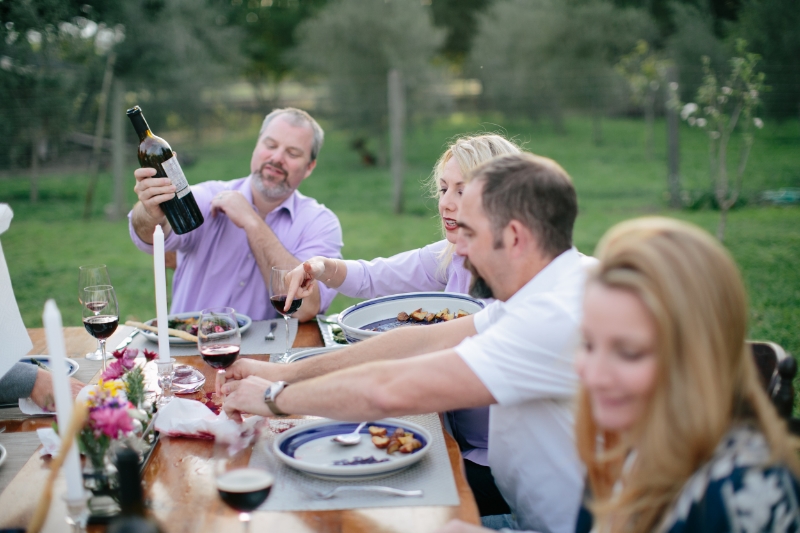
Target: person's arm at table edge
point(395, 344)
point(434, 382)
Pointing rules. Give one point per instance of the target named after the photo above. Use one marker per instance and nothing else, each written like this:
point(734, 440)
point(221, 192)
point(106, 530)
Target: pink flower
point(149, 356)
point(111, 421)
point(131, 353)
point(118, 354)
point(127, 364)
point(114, 370)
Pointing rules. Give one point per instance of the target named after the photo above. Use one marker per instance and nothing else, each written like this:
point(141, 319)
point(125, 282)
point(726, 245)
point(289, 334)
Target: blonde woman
point(673, 425)
point(434, 267)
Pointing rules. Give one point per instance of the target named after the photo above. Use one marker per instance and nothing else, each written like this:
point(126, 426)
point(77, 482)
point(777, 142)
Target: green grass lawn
point(48, 241)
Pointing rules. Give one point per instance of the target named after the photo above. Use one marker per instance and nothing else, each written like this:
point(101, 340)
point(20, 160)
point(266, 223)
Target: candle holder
point(77, 512)
point(166, 372)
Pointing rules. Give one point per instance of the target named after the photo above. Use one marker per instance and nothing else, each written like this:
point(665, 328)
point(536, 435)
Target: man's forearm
point(269, 252)
point(396, 344)
point(144, 225)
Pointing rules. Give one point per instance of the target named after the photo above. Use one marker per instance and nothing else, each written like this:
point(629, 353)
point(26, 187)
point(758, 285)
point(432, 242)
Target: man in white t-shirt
point(515, 222)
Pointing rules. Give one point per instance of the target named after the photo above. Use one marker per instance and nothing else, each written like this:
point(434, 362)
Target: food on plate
point(421, 315)
point(377, 431)
point(360, 461)
point(400, 440)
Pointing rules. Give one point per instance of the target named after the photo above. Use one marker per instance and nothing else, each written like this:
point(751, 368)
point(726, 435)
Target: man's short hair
point(298, 117)
point(533, 190)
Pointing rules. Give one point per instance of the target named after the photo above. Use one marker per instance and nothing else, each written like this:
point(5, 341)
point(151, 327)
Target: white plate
point(311, 352)
point(3, 455)
point(309, 449)
point(244, 325)
point(366, 313)
point(72, 365)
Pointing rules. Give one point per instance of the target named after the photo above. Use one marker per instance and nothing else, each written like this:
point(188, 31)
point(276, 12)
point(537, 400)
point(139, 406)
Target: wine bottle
point(131, 518)
point(154, 152)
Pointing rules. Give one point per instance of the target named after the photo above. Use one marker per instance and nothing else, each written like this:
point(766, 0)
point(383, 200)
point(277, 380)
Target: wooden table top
point(180, 484)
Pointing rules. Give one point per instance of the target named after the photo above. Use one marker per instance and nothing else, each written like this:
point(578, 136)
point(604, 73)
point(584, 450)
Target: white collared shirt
point(523, 354)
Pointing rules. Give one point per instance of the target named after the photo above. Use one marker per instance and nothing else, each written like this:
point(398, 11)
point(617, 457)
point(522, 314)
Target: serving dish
point(355, 318)
point(311, 352)
point(309, 449)
point(244, 324)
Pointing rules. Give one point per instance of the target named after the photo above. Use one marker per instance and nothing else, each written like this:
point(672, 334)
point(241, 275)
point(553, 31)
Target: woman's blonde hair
point(706, 380)
point(470, 152)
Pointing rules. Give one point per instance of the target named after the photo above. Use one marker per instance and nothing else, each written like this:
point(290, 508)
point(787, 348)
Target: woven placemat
point(253, 342)
point(20, 448)
point(432, 474)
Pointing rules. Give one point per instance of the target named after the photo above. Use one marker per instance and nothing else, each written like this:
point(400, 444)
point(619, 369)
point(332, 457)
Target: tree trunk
point(723, 218)
point(649, 118)
point(117, 210)
point(673, 145)
point(34, 193)
point(397, 112)
point(99, 132)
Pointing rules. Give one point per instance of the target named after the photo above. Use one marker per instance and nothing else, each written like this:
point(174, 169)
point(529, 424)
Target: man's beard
point(278, 190)
point(478, 287)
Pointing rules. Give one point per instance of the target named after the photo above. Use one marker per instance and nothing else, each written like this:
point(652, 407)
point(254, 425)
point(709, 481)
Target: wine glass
point(91, 276)
point(100, 314)
point(241, 485)
point(278, 290)
point(218, 337)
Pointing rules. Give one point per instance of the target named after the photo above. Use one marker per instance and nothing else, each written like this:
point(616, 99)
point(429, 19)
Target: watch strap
point(271, 394)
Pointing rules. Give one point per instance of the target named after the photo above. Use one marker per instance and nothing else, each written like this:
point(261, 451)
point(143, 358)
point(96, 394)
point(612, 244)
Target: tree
point(354, 44)
point(533, 57)
point(725, 109)
point(460, 19)
point(645, 72)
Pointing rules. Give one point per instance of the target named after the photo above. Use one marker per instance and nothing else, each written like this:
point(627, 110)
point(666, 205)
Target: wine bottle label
point(176, 176)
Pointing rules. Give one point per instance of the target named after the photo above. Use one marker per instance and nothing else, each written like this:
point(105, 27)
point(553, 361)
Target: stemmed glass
point(100, 314)
point(218, 337)
point(242, 486)
point(91, 276)
point(278, 290)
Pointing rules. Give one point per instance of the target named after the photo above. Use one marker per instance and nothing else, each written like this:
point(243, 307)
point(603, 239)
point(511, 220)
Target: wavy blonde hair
point(470, 152)
point(706, 380)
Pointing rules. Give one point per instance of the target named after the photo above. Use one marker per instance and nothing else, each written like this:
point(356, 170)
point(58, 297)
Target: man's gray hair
point(298, 117)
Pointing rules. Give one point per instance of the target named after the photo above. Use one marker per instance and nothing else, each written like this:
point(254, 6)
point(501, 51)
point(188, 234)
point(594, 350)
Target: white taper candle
point(161, 294)
point(63, 394)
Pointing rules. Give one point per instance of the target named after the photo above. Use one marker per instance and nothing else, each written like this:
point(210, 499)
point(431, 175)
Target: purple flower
point(131, 353)
point(149, 356)
point(127, 364)
point(111, 421)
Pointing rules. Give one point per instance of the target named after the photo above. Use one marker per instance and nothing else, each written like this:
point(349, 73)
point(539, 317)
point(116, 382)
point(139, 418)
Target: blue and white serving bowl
point(357, 320)
point(309, 449)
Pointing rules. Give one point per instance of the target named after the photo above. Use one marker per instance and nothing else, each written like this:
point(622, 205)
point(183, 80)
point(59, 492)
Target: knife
point(127, 340)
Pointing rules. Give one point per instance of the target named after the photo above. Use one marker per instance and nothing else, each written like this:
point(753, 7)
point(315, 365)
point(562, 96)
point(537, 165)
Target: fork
point(324, 495)
point(271, 335)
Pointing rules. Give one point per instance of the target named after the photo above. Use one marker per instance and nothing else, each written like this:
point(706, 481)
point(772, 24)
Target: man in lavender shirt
point(251, 224)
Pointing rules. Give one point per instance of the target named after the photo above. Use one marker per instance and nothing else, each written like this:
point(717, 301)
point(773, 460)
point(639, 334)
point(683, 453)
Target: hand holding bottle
point(152, 192)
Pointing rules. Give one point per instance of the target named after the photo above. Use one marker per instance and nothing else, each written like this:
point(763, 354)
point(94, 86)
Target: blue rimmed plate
point(358, 320)
point(309, 449)
point(244, 324)
point(72, 365)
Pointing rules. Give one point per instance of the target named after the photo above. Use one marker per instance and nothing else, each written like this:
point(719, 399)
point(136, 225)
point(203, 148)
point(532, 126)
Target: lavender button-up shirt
point(216, 266)
point(419, 270)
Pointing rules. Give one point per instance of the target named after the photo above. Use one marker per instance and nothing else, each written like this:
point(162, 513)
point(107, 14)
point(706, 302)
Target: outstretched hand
point(246, 397)
point(301, 279)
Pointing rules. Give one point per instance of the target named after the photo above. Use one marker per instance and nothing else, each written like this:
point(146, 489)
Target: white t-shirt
point(523, 354)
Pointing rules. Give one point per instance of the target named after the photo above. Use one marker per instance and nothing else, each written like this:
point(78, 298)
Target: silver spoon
point(350, 439)
point(271, 335)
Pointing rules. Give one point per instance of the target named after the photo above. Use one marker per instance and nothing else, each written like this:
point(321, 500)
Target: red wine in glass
point(279, 302)
point(244, 489)
point(102, 326)
point(95, 307)
point(219, 356)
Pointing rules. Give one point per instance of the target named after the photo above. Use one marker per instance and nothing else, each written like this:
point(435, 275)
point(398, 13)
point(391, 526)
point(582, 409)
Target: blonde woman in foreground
point(674, 428)
point(673, 425)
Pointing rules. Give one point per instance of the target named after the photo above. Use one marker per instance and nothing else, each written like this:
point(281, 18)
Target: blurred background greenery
point(568, 79)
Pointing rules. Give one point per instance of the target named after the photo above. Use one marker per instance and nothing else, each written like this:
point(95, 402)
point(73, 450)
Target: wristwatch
point(271, 394)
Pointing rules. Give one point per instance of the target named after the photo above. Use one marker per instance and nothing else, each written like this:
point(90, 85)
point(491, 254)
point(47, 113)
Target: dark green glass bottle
point(154, 152)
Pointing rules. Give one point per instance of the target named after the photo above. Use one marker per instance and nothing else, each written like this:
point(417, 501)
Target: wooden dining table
point(179, 485)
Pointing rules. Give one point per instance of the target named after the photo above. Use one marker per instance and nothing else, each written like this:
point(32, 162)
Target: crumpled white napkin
point(190, 418)
point(51, 441)
point(28, 407)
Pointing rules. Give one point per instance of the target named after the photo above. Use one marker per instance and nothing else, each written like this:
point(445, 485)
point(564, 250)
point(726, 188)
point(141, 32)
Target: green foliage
point(534, 57)
point(459, 18)
point(724, 109)
point(371, 38)
point(772, 29)
point(134, 385)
